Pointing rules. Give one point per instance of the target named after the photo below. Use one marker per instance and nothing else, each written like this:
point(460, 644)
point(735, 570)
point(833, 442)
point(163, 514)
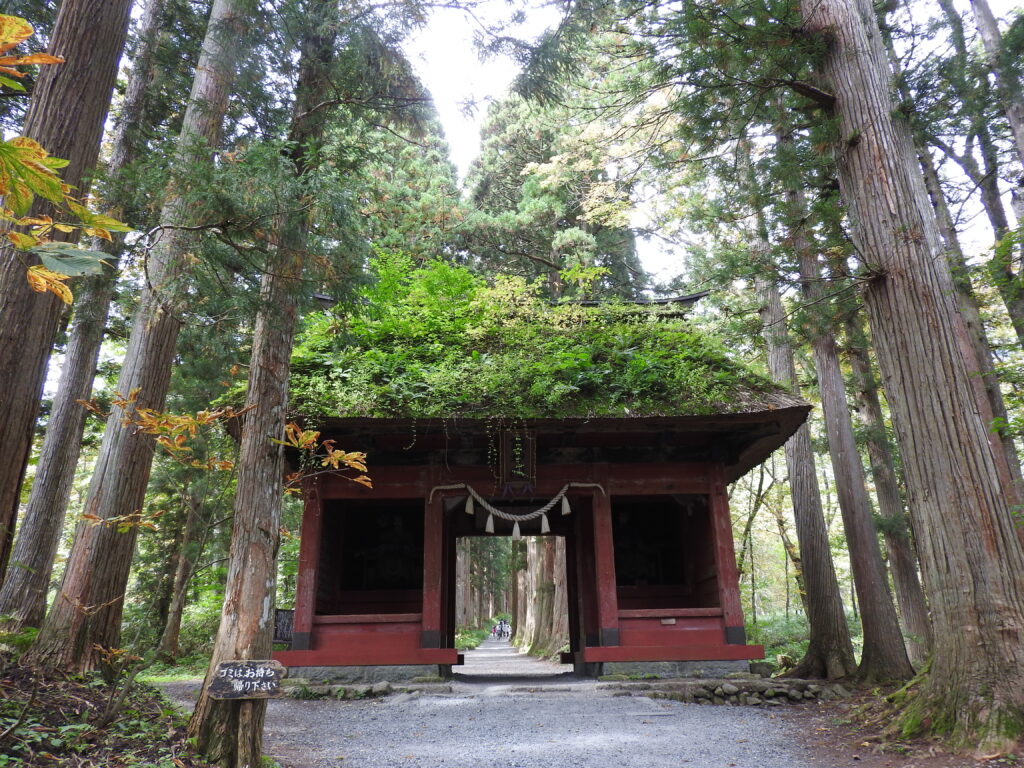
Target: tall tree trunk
point(971, 559)
point(230, 732)
point(884, 656)
point(830, 652)
point(87, 611)
point(902, 558)
point(986, 383)
point(185, 563)
point(23, 595)
point(66, 115)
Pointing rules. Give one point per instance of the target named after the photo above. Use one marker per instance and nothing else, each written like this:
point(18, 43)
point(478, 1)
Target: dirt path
point(510, 710)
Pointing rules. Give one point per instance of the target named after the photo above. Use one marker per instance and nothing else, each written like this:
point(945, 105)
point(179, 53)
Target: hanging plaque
point(247, 680)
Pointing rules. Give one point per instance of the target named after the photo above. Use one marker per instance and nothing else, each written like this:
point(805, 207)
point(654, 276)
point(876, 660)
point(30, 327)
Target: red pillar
point(309, 564)
point(604, 562)
point(725, 560)
point(433, 568)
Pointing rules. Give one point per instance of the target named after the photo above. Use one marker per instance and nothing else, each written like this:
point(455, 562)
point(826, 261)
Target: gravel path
point(542, 717)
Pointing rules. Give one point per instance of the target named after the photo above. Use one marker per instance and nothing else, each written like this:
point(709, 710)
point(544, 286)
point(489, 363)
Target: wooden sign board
point(247, 680)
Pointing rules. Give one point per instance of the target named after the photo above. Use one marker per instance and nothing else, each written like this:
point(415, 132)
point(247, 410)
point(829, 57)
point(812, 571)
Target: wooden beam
point(369, 618)
point(604, 563)
point(725, 559)
point(658, 613)
point(309, 565)
point(433, 571)
point(365, 656)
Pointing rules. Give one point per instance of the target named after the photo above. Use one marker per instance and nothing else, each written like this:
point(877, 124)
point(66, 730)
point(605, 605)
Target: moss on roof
point(440, 342)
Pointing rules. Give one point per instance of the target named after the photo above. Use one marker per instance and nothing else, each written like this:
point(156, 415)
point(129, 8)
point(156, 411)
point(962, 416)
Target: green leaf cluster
point(440, 342)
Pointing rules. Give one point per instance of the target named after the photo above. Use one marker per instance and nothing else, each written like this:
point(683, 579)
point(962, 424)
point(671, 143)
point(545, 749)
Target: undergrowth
point(53, 719)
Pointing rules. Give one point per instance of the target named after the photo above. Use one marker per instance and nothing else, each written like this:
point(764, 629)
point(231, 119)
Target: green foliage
point(438, 341)
point(467, 638)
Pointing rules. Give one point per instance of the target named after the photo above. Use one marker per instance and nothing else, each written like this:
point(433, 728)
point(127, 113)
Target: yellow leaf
point(41, 280)
point(13, 30)
point(22, 241)
point(40, 58)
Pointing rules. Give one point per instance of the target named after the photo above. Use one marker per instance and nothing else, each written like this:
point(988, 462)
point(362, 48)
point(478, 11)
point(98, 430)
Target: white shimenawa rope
point(511, 517)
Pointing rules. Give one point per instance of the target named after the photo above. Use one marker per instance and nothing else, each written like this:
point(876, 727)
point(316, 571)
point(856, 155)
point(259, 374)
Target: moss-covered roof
point(439, 342)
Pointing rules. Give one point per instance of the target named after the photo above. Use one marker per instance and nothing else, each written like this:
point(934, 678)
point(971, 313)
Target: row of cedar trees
point(961, 480)
point(525, 579)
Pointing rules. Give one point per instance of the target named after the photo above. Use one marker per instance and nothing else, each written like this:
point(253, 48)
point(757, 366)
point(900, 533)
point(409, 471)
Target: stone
point(769, 693)
point(753, 700)
point(838, 690)
point(794, 694)
point(701, 693)
point(815, 689)
point(719, 692)
point(808, 695)
point(729, 689)
point(762, 668)
point(773, 703)
point(382, 688)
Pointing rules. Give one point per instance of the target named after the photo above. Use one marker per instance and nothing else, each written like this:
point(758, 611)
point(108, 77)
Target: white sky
point(445, 58)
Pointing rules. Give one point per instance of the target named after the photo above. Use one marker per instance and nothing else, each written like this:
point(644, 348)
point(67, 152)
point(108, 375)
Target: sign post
point(247, 680)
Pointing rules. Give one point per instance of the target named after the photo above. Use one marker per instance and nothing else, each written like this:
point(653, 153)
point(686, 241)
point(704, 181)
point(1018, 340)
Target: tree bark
point(973, 94)
point(66, 115)
point(23, 595)
point(188, 555)
point(971, 559)
point(230, 732)
point(917, 629)
point(87, 611)
point(982, 367)
point(830, 652)
point(884, 656)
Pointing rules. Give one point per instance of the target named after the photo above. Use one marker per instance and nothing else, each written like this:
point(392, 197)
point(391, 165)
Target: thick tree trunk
point(830, 652)
point(884, 656)
point(982, 368)
point(230, 732)
point(87, 611)
point(902, 558)
point(971, 559)
point(66, 115)
point(23, 595)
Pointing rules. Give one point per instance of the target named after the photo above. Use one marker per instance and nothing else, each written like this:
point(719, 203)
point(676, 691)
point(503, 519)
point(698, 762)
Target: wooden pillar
point(433, 569)
point(309, 565)
point(725, 559)
point(604, 563)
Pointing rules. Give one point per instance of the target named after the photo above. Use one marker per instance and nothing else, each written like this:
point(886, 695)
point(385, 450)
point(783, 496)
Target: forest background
point(302, 180)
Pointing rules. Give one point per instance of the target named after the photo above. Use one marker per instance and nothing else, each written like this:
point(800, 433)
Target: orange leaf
point(41, 280)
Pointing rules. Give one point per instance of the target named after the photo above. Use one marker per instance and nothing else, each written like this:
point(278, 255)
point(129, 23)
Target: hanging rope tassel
point(490, 524)
point(470, 510)
point(544, 527)
point(566, 509)
point(516, 536)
